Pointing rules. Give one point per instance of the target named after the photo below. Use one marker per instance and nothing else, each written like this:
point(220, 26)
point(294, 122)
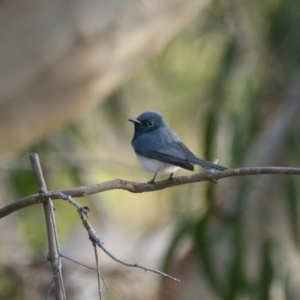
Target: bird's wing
point(175, 153)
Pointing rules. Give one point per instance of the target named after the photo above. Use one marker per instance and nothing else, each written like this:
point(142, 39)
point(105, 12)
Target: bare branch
point(54, 250)
point(83, 213)
point(133, 265)
point(78, 263)
point(136, 187)
point(51, 286)
point(98, 270)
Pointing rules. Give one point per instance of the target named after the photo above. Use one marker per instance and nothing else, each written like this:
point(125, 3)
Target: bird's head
point(147, 121)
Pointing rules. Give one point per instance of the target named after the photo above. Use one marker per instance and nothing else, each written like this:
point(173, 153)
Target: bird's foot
point(152, 181)
point(171, 177)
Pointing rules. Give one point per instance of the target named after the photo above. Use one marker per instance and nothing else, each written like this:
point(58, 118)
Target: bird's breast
point(156, 166)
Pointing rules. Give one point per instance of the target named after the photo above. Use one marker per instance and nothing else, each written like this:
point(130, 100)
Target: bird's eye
point(149, 124)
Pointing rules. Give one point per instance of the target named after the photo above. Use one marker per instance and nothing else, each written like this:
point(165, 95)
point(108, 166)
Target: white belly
point(156, 166)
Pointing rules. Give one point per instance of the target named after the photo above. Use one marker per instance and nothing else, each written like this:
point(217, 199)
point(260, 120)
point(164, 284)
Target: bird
point(159, 149)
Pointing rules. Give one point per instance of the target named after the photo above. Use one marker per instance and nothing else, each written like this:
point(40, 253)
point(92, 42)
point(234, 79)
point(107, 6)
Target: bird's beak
point(134, 120)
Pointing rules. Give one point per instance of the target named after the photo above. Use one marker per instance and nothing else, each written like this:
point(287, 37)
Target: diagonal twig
point(91, 268)
point(83, 213)
point(51, 286)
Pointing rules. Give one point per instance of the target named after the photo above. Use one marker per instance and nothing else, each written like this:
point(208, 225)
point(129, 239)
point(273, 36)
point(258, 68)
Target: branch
point(136, 187)
point(54, 250)
point(94, 238)
point(98, 269)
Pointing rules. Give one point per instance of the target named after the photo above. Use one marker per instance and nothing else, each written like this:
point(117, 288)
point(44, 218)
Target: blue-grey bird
point(160, 150)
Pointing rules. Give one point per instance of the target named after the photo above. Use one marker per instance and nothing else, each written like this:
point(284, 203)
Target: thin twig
point(78, 263)
point(136, 187)
point(98, 269)
point(51, 286)
point(83, 213)
point(91, 268)
point(136, 265)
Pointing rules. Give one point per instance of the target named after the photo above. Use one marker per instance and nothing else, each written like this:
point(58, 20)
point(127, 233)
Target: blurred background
point(225, 75)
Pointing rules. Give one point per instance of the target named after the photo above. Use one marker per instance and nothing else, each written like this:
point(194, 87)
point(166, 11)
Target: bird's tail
point(205, 164)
